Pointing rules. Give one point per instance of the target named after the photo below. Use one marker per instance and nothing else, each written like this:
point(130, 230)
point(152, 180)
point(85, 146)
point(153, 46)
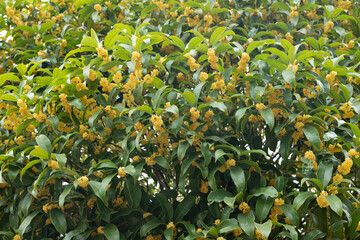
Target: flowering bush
point(179, 119)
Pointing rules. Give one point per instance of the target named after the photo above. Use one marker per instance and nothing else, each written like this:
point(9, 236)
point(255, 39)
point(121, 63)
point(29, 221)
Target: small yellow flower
point(244, 207)
point(279, 202)
point(83, 181)
point(121, 172)
point(145, 215)
point(321, 200)
point(170, 225)
point(97, 7)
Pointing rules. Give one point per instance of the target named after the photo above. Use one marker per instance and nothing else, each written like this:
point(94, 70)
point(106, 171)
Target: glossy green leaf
point(58, 220)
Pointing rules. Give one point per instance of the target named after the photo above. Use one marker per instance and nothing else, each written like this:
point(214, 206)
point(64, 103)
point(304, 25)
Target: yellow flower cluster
point(121, 172)
point(337, 177)
point(208, 20)
point(311, 156)
point(353, 153)
point(47, 207)
point(219, 83)
point(195, 114)
point(301, 120)
point(17, 237)
point(345, 167)
point(147, 214)
point(53, 164)
point(331, 78)
point(101, 51)
point(346, 108)
point(244, 207)
point(157, 122)
point(321, 200)
point(23, 109)
point(213, 59)
point(204, 187)
point(150, 160)
point(111, 112)
point(65, 103)
point(279, 202)
point(106, 85)
point(41, 117)
point(97, 7)
point(191, 62)
point(118, 202)
point(138, 66)
point(242, 64)
point(83, 181)
point(328, 26)
point(91, 202)
point(260, 106)
point(334, 148)
point(170, 225)
point(293, 13)
point(237, 232)
point(117, 77)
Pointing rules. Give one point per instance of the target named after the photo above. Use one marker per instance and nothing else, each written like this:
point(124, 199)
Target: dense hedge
point(179, 120)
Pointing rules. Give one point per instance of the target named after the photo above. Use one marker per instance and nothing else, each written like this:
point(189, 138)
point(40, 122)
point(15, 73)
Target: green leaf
point(157, 99)
point(268, 115)
point(162, 162)
point(324, 172)
point(219, 153)
point(228, 225)
point(181, 151)
point(264, 228)
point(133, 192)
point(216, 35)
point(93, 119)
point(238, 176)
point(252, 46)
point(289, 76)
point(335, 204)
point(184, 207)
point(301, 198)
point(64, 194)
point(291, 214)
point(111, 232)
point(58, 220)
point(9, 97)
point(189, 98)
point(165, 206)
point(110, 38)
point(239, 114)
point(29, 165)
point(39, 153)
point(293, 233)
point(262, 208)
point(8, 77)
point(89, 41)
point(178, 42)
point(205, 150)
point(267, 191)
point(148, 9)
point(247, 223)
point(168, 233)
point(312, 135)
point(62, 159)
point(44, 142)
point(218, 195)
point(147, 227)
point(26, 222)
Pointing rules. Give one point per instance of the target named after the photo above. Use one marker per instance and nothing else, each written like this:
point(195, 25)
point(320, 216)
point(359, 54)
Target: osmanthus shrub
point(179, 119)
